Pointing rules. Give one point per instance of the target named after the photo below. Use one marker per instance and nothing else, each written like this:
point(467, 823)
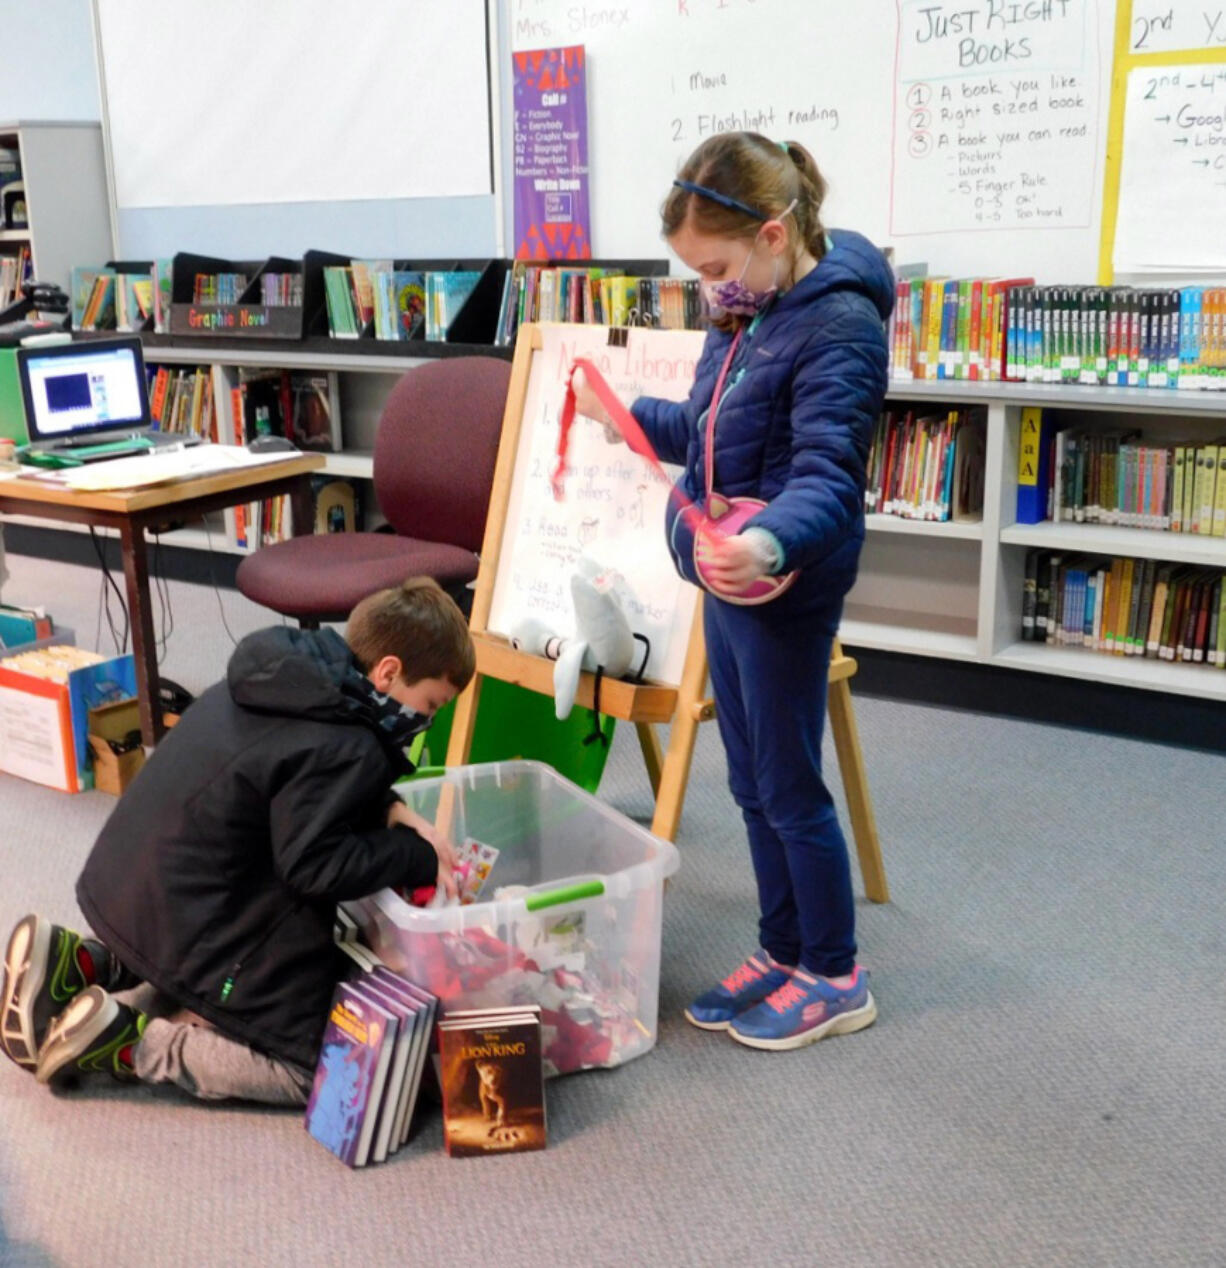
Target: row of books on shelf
point(928, 467)
point(106, 298)
point(394, 304)
point(1011, 329)
point(14, 271)
point(596, 296)
point(1125, 607)
point(234, 405)
point(473, 301)
point(338, 508)
point(1112, 476)
point(219, 288)
point(237, 404)
point(387, 1039)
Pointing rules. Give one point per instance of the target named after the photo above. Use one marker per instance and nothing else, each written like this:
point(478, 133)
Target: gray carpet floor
point(1044, 1086)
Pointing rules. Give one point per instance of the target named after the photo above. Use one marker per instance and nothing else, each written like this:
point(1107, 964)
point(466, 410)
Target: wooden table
point(131, 512)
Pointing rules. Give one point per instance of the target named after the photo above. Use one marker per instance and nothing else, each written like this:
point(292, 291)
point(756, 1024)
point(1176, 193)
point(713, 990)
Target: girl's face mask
point(734, 296)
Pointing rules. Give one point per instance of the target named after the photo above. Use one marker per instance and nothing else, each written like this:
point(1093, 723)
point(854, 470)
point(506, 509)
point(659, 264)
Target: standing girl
point(794, 375)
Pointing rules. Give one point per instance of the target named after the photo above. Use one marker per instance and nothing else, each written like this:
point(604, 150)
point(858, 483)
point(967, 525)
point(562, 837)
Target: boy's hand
point(446, 859)
point(399, 813)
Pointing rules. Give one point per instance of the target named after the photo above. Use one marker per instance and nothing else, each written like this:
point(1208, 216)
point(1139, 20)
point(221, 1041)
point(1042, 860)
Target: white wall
point(47, 68)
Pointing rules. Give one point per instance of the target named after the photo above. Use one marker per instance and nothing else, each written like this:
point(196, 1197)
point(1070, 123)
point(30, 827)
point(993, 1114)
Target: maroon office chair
point(435, 448)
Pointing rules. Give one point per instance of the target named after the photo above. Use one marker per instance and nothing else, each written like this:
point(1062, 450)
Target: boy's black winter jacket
point(224, 860)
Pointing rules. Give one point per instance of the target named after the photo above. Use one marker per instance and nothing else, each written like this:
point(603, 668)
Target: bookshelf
point(940, 590)
point(66, 197)
point(951, 591)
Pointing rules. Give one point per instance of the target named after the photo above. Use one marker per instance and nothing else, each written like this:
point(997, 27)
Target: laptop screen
point(81, 389)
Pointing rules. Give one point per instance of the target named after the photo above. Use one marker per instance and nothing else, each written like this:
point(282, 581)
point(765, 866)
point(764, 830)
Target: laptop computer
point(89, 401)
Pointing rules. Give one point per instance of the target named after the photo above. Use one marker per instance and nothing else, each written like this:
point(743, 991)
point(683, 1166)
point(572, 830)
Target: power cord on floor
point(162, 586)
point(121, 644)
point(216, 588)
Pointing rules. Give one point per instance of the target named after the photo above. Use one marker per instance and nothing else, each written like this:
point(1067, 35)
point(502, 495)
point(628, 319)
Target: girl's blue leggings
point(769, 677)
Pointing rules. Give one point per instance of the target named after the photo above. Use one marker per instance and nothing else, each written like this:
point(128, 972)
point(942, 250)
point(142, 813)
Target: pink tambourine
point(725, 518)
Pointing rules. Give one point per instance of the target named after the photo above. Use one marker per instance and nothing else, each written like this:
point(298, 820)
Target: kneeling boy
point(213, 886)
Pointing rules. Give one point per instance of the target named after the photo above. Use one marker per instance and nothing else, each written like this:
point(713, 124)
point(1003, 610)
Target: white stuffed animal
point(603, 639)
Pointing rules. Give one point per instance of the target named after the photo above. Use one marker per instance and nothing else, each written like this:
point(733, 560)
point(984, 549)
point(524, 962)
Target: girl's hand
point(588, 404)
point(734, 562)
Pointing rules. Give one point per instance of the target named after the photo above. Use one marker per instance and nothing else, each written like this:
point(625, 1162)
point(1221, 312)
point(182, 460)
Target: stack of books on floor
point(1011, 329)
point(371, 1060)
point(1125, 607)
point(928, 468)
point(596, 296)
point(384, 1030)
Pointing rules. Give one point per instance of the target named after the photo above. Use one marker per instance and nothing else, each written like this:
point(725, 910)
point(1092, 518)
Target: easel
point(684, 706)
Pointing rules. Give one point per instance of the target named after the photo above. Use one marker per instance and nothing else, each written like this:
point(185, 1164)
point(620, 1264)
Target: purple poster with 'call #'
point(552, 206)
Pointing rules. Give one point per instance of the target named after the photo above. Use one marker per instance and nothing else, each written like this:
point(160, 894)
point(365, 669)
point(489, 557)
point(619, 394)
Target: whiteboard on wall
point(1174, 171)
point(614, 504)
point(225, 102)
point(969, 136)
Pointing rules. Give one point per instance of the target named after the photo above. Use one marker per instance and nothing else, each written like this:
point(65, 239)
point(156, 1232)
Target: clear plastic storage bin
point(578, 932)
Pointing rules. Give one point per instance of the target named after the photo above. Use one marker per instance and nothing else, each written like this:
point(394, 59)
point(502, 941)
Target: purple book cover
point(345, 1075)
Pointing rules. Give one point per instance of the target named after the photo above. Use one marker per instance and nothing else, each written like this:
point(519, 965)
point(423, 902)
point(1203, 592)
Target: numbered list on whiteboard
point(996, 118)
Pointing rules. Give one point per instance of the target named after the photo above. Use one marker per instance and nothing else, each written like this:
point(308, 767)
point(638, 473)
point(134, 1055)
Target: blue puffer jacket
point(794, 426)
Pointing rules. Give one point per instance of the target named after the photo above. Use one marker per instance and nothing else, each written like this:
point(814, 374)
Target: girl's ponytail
point(812, 194)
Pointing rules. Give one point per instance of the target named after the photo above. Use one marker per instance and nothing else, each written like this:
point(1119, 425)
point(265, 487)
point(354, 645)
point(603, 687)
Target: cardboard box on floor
point(44, 724)
point(113, 726)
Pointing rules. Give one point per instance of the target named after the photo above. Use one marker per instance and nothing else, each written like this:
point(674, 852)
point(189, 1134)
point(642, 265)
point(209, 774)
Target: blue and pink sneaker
point(741, 989)
point(804, 1009)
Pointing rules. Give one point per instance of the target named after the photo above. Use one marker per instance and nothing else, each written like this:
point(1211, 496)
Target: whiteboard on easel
point(614, 503)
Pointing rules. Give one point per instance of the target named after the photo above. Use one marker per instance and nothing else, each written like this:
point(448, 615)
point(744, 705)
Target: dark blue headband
point(715, 196)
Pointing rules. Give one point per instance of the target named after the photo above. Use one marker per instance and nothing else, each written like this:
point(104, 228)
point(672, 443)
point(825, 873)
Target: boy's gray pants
point(180, 1048)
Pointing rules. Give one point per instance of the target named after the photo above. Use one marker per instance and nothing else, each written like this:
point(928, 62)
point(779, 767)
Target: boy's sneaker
point(805, 1009)
point(95, 1034)
point(741, 989)
point(45, 966)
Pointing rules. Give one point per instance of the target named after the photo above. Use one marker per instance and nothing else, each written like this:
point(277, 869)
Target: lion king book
point(492, 1082)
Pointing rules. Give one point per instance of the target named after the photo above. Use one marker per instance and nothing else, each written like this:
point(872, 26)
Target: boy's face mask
point(414, 723)
point(734, 296)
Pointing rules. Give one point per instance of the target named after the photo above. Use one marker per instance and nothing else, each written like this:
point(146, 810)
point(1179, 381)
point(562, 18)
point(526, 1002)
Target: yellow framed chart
point(1164, 191)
